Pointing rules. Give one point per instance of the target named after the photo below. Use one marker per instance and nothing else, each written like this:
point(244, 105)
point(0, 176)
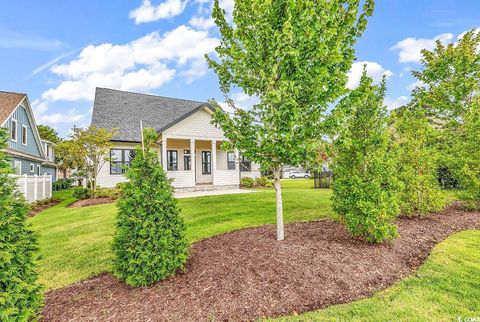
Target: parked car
point(299, 174)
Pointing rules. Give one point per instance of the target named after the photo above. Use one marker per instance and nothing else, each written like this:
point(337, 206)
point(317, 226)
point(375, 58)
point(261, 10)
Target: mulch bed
point(90, 202)
point(39, 208)
point(246, 274)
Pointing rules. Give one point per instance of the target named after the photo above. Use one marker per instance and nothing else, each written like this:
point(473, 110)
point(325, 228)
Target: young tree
point(450, 78)
point(69, 156)
point(365, 188)
point(293, 55)
point(48, 133)
point(93, 145)
point(417, 161)
point(150, 242)
point(20, 295)
point(469, 152)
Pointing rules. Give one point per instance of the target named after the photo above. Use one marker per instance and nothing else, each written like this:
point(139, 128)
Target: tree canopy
point(294, 56)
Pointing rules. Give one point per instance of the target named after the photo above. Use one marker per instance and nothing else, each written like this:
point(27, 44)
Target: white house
point(189, 145)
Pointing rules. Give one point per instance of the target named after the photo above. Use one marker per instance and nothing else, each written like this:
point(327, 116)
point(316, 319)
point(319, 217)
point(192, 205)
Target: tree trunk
point(279, 203)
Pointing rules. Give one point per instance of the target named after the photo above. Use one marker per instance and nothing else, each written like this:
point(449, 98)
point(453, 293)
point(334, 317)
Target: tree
point(417, 161)
point(69, 155)
point(92, 145)
point(48, 133)
point(469, 154)
point(450, 78)
point(365, 188)
point(20, 295)
point(150, 242)
point(293, 55)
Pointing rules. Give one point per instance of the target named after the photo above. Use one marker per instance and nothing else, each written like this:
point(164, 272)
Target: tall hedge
point(20, 295)
point(365, 188)
point(150, 242)
point(417, 162)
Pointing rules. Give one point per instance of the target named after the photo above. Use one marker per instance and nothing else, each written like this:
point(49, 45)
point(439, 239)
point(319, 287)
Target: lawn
point(445, 288)
point(75, 242)
point(75, 245)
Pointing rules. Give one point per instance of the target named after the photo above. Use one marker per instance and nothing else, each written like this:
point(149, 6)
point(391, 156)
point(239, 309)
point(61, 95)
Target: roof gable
point(8, 103)
point(114, 109)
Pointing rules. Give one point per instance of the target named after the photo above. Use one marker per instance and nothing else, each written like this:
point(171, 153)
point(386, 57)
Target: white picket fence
point(35, 187)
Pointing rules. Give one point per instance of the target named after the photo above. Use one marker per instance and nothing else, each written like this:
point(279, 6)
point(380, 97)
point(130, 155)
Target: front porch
point(199, 164)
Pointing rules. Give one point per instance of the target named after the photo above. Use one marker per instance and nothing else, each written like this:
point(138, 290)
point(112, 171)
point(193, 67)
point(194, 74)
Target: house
point(189, 145)
point(29, 155)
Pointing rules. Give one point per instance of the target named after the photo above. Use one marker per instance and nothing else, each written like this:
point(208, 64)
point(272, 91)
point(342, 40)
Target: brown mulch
point(90, 202)
point(247, 274)
point(39, 208)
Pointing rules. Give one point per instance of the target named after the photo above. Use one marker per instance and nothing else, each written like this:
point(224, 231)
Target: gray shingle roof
point(114, 109)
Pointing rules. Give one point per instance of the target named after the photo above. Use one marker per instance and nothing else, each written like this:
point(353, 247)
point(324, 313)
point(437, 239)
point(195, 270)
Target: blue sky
point(58, 51)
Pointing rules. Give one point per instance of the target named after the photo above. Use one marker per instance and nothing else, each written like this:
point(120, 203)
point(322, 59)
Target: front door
point(203, 167)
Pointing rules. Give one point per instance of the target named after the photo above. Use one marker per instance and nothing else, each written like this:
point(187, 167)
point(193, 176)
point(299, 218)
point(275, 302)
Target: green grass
point(75, 242)
point(445, 288)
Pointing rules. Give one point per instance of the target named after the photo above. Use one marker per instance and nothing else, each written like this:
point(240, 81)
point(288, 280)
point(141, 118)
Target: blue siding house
point(29, 154)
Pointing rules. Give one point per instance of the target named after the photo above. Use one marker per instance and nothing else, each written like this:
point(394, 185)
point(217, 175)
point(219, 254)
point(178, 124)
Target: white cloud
point(410, 49)
point(57, 118)
point(394, 103)
point(166, 9)
point(141, 64)
point(374, 70)
point(13, 39)
point(415, 84)
point(202, 23)
point(241, 101)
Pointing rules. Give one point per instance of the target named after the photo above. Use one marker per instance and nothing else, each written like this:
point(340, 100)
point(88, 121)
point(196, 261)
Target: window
point(172, 160)
point(120, 160)
point(24, 135)
point(231, 161)
point(14, 130)
point(206, 162)
point(245, 164)
point(187, 160)
point(38, 169)
point(32, 167)
point(17, 165)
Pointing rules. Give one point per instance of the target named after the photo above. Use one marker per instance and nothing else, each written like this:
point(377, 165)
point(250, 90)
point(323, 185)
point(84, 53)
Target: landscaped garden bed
point(90, 202)
point(42, 205)
point(244, 275)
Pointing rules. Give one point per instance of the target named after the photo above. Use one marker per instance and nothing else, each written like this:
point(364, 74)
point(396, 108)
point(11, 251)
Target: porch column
point(164, 153)
point(214, 160)
point(193, 160)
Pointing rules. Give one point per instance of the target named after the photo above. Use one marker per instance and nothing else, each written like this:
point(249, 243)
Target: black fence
point(323, 179)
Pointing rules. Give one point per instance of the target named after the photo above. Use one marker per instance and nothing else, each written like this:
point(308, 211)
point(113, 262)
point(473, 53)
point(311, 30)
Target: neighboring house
point(29, 155)
point(188, 147)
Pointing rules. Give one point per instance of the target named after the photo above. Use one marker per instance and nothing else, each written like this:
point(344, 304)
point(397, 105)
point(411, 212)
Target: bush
point(20, 296)
point(112, 193)
point(150, 242)
point(82, 193)
point(417, 160)
point(247, 182)
point(264, 181)
point(365, 188)
point(62, 184)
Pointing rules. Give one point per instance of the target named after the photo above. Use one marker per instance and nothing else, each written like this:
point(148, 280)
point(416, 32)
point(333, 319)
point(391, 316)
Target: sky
point(59, 51)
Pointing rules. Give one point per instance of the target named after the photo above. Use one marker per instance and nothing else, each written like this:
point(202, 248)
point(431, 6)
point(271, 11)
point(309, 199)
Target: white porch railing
point(34, 188)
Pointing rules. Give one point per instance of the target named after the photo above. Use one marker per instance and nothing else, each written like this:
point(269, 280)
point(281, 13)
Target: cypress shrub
point(365, 187)
point(150, 242)
point(20, 295)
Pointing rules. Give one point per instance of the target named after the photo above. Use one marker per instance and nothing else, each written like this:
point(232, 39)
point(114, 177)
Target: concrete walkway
point(193, 194)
